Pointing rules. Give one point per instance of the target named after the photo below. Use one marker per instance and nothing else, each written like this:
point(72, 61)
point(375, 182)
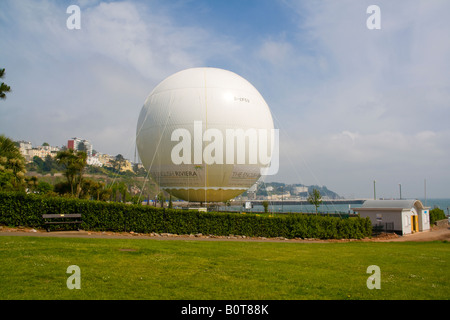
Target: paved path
point(436, 234)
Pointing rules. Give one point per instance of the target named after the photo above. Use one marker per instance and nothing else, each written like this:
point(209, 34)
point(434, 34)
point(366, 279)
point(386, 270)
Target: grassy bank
point(35, 268)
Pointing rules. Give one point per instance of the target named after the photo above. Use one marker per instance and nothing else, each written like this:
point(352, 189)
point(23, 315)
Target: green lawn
point(35, 268)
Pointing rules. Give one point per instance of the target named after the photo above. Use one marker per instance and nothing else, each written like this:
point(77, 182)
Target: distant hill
point(273, 188)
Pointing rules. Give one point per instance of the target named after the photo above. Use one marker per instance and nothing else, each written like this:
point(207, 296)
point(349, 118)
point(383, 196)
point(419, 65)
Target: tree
point(161, 198)
point(105, 194)
point(123, 189)
point(436, 214)
point(62, 188)
point(113, 191)
point(12, 166)
point(44, 187)
point(66, 159)
point(74, 164)
point(48, 163)
point(91, 189)
point(32, 183)
point(315, 198)
point(3, 87)
point(170, 201)
point(80, 165)
point(118, 162)
point(96, 189)
point(81, 147)
point(265, 204)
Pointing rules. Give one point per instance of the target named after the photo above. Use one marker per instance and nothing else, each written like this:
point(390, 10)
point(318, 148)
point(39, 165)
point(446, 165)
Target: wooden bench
point(67, 218)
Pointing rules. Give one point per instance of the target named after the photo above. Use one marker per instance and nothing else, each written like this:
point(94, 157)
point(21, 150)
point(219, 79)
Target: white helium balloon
point(204, 134)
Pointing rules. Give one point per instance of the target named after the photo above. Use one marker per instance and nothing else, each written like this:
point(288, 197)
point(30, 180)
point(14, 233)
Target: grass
point(34, 268)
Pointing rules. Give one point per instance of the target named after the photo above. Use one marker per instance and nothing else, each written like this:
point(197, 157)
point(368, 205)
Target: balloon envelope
point(197, 133)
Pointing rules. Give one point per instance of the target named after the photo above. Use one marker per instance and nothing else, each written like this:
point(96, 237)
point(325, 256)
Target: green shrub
point(27, 209)
point(436, 214)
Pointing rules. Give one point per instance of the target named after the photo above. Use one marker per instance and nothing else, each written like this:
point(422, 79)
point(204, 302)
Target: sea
point(341, 208)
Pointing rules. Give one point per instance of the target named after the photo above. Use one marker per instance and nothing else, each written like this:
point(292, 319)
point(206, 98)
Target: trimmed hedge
point(20, 209)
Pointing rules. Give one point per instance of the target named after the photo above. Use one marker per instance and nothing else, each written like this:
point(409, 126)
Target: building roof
point(391, 205)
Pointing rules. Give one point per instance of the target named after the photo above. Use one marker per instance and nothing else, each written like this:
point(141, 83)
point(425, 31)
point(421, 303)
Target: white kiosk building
point(401, 216)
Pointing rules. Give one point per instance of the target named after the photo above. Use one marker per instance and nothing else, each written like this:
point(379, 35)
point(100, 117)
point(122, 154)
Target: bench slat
point(61, 222)
point(58, 216)
point(69, 215)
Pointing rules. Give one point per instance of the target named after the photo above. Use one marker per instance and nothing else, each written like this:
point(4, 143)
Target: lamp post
point(425, 190)
point(374, 192)
point(400, 185)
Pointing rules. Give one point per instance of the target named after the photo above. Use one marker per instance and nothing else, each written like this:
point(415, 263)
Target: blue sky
point(353, 105)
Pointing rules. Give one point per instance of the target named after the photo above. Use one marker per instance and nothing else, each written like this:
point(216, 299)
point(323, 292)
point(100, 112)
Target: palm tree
point(17, 167)
point(8, 148)
point(123, 191)
point(66, 158)
point(80, 164)
point(74, 164)
point(12, 165)
point(96, 189)
point(3, 87)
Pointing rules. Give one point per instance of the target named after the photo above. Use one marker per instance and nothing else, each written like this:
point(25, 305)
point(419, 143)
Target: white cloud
point(377, 100)
point(277, 53)
point(92, 82)
point(348, 161)
point(352, 104)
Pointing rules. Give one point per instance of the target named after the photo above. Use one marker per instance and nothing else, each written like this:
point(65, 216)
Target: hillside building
point(28, 152)
point(78, 144)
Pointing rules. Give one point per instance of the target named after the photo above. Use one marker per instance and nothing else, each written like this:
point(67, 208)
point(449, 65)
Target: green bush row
point(27, 209)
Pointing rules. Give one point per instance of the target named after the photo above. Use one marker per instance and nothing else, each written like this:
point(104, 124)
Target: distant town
point(272, 191)
point(94, 158)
